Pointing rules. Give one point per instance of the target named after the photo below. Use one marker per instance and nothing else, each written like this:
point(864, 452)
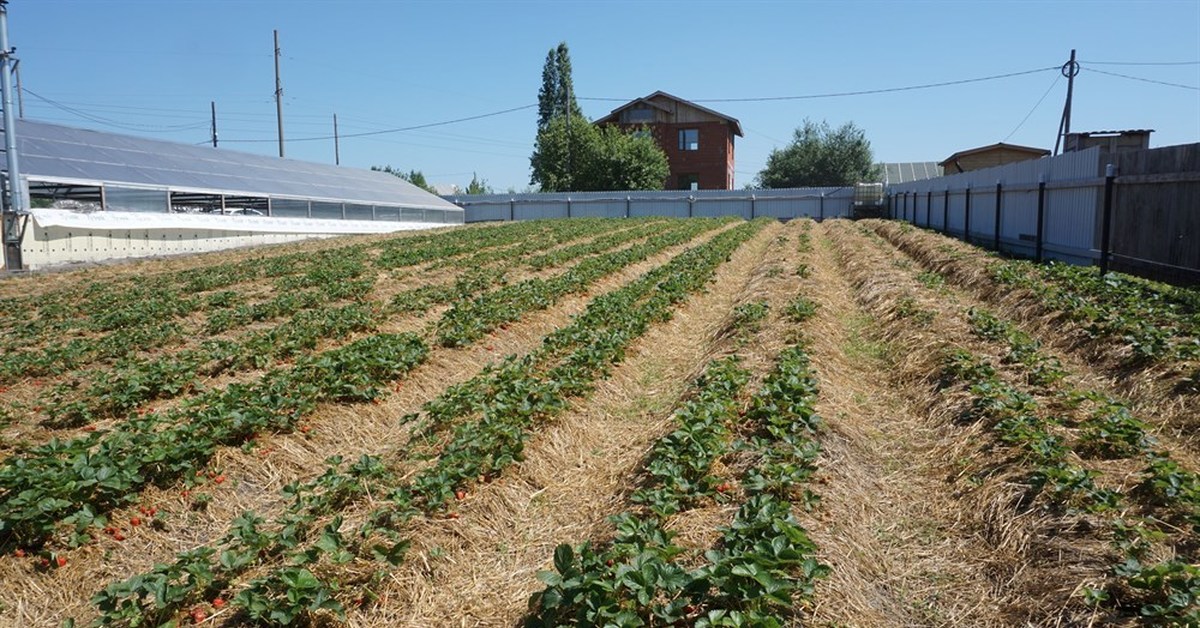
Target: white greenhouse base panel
point(56, 237)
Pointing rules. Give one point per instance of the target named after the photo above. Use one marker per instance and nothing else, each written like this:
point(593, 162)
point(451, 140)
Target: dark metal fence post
point(946, 212)
point(821, 208)
point(568, 207)
point(928, 209)
point(512, 209)
point(1041, 218)
point(967, 218)
point(1110, 175)
point(691, 201)
point(628, 204)
point(996, 235)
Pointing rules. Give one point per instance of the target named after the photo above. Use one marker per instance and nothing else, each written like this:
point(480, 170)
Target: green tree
point(415, 177)
point(478, 186)
point(588, 158)
point(557, 93)
point(818, 156)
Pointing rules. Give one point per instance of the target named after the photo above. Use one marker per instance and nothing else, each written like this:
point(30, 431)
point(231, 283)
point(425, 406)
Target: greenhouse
point(70, 168)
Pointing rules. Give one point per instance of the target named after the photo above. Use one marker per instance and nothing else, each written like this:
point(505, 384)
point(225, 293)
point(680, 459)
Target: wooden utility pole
point(1070, 69)
point(278, 95)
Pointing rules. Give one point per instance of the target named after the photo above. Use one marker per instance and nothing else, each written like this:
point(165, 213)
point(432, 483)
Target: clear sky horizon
point(151, 68)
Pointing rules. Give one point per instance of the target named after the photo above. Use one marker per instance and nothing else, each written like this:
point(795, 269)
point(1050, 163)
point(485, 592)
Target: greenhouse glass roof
point(50, 152)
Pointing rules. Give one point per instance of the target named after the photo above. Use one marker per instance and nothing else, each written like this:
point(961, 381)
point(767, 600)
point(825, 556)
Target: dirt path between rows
point(886, 523)
point(480, 569)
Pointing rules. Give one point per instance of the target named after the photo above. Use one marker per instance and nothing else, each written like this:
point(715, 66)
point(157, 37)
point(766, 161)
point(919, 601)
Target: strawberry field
point(639, 422)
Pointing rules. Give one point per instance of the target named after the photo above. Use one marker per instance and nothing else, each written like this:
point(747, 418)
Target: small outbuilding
point(990, 156)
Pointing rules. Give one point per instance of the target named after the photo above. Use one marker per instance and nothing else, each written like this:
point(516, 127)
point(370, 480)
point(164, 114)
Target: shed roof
point(905, 172)
point(649, 100)
point(1036, 152)
point(51, 152)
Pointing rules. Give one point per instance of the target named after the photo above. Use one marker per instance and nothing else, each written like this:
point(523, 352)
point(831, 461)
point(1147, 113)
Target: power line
point(1143, 62)
point(1144, 80)
point(114, 123)
point(1057, 78)
point(400, 129)
point(864, 92)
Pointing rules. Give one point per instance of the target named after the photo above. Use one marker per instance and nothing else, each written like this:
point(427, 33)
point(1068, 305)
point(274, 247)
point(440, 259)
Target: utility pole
point(214, 122)
point(20, 94)
point(1070, 69)
point(337, 154)
point(15, 214)
point(278, 95)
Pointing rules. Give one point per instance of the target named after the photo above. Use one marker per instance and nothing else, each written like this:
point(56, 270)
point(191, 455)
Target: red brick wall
point(713, 162)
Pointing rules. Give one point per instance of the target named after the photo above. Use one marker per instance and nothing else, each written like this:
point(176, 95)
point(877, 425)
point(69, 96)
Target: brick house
point(697, 140)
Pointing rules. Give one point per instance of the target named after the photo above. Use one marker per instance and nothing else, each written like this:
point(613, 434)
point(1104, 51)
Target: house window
point(640, 115)
point(689, 139)
point(689, 181)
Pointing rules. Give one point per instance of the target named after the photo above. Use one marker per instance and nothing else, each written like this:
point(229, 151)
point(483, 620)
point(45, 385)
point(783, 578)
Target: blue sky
point(151, 67)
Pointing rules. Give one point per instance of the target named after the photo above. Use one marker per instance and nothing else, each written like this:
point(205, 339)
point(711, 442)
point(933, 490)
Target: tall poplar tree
point(557, 92)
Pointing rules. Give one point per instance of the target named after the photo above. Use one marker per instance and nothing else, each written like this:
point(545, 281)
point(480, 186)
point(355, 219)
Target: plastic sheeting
point(136, 221)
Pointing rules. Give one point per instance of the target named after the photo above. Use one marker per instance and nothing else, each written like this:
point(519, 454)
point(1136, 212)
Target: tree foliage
point(589, 158)
point(478, 186)
point(415, 177)
point(819, 156)
point(557, 93)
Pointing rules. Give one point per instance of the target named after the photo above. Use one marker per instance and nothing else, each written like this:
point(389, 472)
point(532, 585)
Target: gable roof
point(649, 100)
point(1036, 152)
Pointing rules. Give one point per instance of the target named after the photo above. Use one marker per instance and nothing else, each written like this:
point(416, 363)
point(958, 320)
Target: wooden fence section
point(1156, 213)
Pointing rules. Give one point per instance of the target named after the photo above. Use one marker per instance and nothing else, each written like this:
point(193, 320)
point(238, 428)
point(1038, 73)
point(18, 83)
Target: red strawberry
point(20, 553)
point(219, 479)
point(61, 561)
point(453, 515)
point(198, 615)
point(135, 521)
point(460, 495)
point(219, 603)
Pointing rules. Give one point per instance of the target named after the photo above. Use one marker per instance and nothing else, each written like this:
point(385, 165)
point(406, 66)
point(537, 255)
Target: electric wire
point(114, 123)
point(1144, 80)
point(864, 92)
point(396, 130)
point(1057, 78)
point(1142, 62)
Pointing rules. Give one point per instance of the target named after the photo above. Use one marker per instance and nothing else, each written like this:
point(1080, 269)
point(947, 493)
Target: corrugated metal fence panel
point(1070, 219)
point(482, 212)
point(778, 203)
point(602, 209)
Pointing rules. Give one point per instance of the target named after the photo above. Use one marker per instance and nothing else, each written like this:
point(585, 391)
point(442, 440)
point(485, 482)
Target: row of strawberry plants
point(1156, 322)
point(137, 380)
point(1162, 508)
point(1112, 306)
point(764, 564)
point(554, 235)
point(470, 320)
point(115, 392)
point(74, 482)
point(514, 395)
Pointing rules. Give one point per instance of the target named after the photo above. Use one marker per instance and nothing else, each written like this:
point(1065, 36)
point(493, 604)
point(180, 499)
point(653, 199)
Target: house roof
point(1038, 152)
point(649, 100)
point(1121, 132)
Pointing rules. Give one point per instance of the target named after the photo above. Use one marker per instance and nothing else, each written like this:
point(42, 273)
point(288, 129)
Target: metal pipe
point(996, 231)
point(967, 218)
point(946, 212)
point(1041, 218)
point(1110, 175)
point(16, 193)
point(278, 95)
